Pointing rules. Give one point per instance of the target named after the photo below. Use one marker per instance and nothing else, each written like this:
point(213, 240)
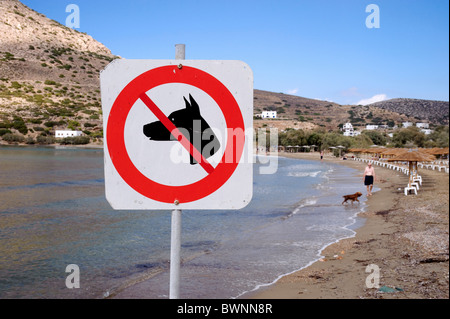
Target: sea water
point(53, 213)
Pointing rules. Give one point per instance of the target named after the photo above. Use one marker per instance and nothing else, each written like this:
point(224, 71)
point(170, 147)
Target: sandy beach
point(404, 238)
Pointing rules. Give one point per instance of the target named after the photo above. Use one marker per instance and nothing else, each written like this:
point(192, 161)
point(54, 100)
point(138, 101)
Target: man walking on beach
point(369, 178)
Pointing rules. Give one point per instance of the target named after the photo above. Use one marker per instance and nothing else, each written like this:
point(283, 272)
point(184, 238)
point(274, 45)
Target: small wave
point(145, 272)
point(304, 174)
point(322, 187)
point(303, 203)
point(308, 202)
point(324, 228)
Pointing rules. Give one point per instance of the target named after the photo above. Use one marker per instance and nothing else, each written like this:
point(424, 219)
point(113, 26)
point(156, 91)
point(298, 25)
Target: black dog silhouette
point(189, 122)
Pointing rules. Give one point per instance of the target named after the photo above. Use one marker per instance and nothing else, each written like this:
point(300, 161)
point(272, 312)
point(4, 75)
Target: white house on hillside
point(371, 127)
point(407, 124)
point(62, 134)
point(426, 131)
point(269, 114)
point(349, 131)
point(423, 125)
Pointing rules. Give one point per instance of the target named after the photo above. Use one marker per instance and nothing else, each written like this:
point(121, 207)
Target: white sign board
point(178, 134)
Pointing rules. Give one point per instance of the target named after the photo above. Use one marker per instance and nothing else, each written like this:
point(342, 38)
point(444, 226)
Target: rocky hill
point(49, 79)
point(300, 112)
point(49, 74)
point(430, 111)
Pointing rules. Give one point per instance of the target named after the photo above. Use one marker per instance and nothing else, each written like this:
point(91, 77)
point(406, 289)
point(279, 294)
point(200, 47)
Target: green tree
point(19, 124)
point(296, 137)
point(440, 137)
point(362, 141)
point(376, 137)
point(315, 138)
point(411, 137)
point(334, 139)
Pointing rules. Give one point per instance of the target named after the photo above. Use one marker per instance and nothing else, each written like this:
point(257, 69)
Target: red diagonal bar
point(176, 133)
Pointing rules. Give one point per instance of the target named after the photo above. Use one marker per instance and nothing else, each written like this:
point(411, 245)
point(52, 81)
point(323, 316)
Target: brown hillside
point(299, 110)
point(49, 74)
point(427, 110)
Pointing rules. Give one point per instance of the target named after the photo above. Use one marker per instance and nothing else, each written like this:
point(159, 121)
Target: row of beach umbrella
point(421, 154)
point(412, 156)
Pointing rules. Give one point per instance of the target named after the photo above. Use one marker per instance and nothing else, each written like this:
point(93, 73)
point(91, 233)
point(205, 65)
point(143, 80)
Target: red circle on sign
point(116, 129)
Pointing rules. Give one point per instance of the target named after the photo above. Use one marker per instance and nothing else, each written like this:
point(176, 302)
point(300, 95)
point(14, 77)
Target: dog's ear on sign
point(188, 105)
point(194, 105)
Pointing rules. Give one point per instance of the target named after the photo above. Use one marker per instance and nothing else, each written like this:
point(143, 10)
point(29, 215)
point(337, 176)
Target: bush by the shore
point(11, 138)
point(76, 140)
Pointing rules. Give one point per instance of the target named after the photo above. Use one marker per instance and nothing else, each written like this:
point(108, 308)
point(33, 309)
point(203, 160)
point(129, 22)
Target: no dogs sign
point(178, 134)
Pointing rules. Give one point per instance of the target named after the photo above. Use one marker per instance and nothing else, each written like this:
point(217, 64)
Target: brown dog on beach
point(353, 197)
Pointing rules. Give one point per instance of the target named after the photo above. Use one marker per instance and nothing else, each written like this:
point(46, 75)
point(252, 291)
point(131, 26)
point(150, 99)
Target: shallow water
point(53, 213)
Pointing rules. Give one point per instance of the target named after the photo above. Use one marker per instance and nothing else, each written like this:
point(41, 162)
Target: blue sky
point(312, 48)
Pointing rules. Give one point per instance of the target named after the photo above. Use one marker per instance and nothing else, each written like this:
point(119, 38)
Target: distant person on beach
point(321, 156)
point(369, 178)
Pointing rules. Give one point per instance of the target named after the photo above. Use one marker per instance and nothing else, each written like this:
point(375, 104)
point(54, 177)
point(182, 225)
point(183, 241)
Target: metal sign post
point(175, 252)
point(175, 238)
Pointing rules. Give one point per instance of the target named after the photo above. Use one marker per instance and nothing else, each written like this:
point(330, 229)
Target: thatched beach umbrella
point(365, 151)
point(390, 152)
point(340, 147)
point(355, 151)
point(436, 151)
point(374, 151)
point(306, 147)
point(431, 150)
point(412, 157)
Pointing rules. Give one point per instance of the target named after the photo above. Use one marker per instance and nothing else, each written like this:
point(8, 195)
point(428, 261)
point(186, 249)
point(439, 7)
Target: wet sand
point(405, 238)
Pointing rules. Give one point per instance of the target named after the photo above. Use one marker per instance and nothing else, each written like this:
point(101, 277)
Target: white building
point(423, 125)
point(407, 124)
point(426, 131)
point(349, 131)
point(62, 134)
point(371, 127)
point(269, 114)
